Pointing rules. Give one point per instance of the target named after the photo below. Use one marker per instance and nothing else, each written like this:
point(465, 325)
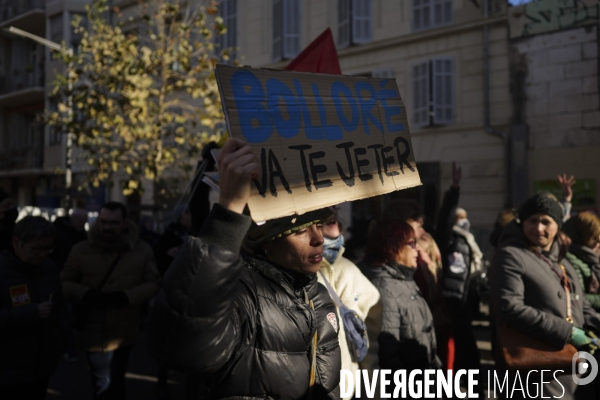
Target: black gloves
point(94, 298)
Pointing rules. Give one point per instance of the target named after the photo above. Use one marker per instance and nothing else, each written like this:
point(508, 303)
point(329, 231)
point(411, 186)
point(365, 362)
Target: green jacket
point(584, 272)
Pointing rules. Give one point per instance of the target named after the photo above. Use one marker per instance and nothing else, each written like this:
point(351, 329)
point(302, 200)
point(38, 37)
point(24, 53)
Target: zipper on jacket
point(327, 347)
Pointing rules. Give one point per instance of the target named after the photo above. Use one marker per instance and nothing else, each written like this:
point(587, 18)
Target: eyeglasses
point(413, 244)
point(39, 250)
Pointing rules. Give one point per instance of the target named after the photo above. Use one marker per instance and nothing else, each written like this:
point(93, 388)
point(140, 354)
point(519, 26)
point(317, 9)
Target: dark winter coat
point(407, 338)
point(174, 236)
point(66, 238)
point(30, 347)
point(455, 280)
point(244, 324)
point(527, 294)
point(135, 273)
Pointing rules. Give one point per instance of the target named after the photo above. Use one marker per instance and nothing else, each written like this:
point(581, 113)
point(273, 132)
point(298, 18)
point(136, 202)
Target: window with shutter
point(343, 23)
point(433, 92)
point(354, 22)
point(443, 90)
point(361, 21)
point(277, 29)
point(421, 97)
point(431, 13)
point(291, 28)
point(228, 11)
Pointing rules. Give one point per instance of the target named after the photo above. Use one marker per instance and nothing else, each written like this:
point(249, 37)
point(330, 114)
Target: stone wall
point(562, 107)
point(561, 88)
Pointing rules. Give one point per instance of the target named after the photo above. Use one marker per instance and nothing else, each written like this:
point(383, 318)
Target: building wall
point(395, 47)
point(562, 107)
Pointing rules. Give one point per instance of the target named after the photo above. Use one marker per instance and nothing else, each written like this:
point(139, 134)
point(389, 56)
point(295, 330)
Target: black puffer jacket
point(30, 347)
point(245, 324)
point(407, 338)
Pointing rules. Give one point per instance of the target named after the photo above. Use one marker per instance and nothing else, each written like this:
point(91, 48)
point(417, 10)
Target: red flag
point(319, 56)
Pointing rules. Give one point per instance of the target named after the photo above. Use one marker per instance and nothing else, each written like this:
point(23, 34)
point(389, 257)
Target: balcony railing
point(25, 147)
point(10, 9)
point(23, 77)
point(24, 158)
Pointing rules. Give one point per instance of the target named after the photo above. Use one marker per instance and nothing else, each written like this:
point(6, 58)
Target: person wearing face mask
point(407, 339)
point(535, 289)
point(8, 218)
point(254, 322)
point(584, 232)
point(353, 289)
point(461, 262)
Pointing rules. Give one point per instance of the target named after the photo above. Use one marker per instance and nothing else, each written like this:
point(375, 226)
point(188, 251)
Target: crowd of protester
point(277, 310)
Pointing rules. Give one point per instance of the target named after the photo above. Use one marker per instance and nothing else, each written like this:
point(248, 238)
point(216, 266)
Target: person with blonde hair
point(584, 232)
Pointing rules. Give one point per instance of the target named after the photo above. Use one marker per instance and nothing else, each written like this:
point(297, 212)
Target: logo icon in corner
point(333, 321)
point(587, 366)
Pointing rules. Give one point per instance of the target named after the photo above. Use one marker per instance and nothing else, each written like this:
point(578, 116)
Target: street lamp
point(69, 51)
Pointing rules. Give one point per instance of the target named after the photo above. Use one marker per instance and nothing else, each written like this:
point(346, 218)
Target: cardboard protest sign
point(320, 139)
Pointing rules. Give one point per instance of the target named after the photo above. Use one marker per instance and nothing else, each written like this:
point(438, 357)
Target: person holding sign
point(255, 323)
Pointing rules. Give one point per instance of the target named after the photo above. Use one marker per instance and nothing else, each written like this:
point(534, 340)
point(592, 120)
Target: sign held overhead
point(320, 139)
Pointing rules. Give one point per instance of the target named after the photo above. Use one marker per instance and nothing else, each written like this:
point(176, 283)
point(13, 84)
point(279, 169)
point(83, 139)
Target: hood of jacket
point(129, 237)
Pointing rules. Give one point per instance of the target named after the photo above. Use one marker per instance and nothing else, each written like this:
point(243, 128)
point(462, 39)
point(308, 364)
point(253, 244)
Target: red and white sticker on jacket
point(333, 321)
point(19, 295)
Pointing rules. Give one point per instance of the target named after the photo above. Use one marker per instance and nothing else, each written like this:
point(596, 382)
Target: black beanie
point(543, 204)
point(285, 226)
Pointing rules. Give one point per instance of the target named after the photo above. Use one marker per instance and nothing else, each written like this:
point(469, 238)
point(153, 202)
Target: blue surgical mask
point(332, 247)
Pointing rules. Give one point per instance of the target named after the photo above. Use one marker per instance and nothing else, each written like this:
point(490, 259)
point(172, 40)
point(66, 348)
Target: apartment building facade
point(31, 155)
point(511, 100)
point(435, 51)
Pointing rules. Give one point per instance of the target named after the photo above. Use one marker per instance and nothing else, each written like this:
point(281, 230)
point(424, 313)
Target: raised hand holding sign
point(319, 139)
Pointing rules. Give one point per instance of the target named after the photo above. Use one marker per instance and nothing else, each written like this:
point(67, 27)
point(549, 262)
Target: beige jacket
point(355, 291)
point(110, 328)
